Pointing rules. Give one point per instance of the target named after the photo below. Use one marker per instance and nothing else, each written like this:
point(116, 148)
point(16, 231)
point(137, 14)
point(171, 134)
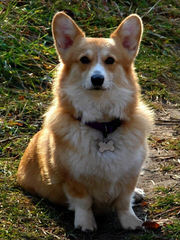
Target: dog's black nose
point(97, 80)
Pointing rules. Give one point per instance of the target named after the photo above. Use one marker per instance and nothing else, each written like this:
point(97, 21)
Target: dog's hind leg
point(138, 195)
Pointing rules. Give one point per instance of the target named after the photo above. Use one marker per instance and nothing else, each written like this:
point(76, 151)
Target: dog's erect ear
point(65, 31)
point(129, 33)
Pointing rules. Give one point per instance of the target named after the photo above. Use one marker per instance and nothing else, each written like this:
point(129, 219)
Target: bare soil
point(167, 127)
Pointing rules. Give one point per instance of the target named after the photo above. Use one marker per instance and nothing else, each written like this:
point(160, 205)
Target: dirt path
point(162, 167)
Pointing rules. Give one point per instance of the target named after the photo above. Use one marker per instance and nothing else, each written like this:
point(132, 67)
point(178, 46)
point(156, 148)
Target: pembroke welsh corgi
point(93, 142)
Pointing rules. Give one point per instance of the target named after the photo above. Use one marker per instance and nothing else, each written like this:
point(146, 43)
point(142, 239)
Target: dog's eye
point(109, 60)
point(85, 60)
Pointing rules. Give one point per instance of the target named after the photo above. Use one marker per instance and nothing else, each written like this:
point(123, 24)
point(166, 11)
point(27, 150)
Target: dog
point(93, 142)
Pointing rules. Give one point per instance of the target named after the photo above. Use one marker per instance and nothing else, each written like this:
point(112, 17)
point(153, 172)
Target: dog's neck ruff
point(105, 127)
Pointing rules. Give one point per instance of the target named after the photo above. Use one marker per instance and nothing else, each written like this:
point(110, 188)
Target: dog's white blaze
point(98, 68)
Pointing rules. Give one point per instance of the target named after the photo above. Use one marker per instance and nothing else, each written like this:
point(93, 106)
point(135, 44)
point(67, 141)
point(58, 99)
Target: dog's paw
point(129, 220)
point(138, 195)
point(84, 220)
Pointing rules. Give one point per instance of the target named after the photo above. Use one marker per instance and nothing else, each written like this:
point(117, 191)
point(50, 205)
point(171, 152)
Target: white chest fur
point(110, 165)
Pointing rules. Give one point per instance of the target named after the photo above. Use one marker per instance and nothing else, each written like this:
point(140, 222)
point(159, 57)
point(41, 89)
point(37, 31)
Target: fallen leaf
point(19, 124)
point(12, 123)
point(21, 97)
point(151, 225)
point(143, 203)
point(161, 140)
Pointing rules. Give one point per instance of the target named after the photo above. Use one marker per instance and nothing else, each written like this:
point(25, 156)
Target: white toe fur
point(129, 220)
point(84, 219)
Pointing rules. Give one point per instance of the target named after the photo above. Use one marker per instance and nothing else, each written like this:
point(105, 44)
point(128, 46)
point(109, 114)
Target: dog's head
point(100, 67)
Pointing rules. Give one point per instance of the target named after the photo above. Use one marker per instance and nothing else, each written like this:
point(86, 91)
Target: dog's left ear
point(129, 34)
point(65, 32)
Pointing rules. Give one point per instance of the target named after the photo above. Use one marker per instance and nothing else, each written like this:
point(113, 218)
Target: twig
point(112, 28)
point(151, 8)
point(164, 157)
point(168, 211)
point(167, 122)
point(23, 109)
point(118, 9)
point(46, 232)
point(8, 139)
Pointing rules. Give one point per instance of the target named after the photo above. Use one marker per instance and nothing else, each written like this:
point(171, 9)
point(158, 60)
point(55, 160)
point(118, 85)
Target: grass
point(167, 204)
point(27, 63)
point(164, 203)
point(168, 143)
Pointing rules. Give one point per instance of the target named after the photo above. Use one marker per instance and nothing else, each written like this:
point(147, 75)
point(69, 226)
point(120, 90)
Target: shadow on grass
point(108, 224)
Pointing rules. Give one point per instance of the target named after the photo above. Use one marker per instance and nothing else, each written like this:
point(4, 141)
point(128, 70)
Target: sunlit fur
point(62, 162)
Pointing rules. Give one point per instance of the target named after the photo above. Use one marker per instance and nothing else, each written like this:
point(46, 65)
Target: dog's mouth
point(97, 88)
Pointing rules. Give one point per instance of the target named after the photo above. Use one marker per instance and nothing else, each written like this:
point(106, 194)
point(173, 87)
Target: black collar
point(105, 127)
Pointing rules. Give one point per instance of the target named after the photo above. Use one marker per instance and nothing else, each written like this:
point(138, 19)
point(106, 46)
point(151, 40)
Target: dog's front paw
point(129, 220)
point(84, 219)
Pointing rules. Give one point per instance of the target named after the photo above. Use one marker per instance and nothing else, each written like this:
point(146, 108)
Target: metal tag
point(106, 146)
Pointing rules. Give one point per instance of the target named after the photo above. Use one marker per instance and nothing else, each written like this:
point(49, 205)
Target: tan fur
point(45, 168)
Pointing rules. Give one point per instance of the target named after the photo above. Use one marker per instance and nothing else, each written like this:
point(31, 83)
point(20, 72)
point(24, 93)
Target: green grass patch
point(28, 54)
point(172, 143)
point(172, 230)
point(166, 205)
point(167, 201)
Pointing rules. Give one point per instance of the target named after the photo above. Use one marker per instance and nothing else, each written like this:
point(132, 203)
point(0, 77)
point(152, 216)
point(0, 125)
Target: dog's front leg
point(126, 215)
point(82, 206)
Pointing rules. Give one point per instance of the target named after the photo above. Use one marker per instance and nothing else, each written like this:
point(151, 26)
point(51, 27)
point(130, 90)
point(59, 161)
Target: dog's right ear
point(65, 32)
